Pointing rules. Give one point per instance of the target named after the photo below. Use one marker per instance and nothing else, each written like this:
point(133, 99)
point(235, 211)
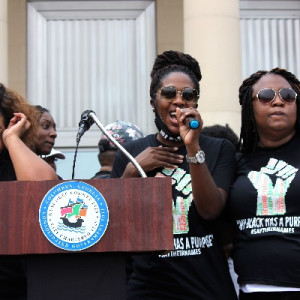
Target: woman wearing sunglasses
point(201, 169)
point(264, 198)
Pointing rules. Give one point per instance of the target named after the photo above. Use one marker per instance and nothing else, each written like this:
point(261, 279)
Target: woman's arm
point(209, 199)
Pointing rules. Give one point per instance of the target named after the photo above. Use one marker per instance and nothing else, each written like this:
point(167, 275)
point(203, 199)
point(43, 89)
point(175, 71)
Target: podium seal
point(73, 215)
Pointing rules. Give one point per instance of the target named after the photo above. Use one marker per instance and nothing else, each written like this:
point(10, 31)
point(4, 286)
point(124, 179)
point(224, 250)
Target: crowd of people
point(248, 182)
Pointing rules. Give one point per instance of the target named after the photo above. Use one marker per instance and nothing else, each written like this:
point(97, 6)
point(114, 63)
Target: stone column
point(3, 42)
point(16, 11)
point(212, 36)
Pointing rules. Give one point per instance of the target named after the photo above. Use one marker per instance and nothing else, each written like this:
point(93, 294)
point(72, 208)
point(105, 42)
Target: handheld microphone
point(85, 123)
point(189, 121)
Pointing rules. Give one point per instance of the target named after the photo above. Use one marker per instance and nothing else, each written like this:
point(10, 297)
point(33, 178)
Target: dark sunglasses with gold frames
point(187, 94)
point(268, 95)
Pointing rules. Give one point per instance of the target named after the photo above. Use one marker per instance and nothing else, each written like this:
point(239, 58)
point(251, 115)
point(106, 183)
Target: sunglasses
point(187, 94)
point(267, 95)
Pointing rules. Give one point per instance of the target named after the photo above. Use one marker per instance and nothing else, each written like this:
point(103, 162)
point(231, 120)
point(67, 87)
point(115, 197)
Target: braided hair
point(41, 109)
point(173, 61)
point(249, 135)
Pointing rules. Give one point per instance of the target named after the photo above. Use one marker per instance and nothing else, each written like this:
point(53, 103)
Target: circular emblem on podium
point(73, 215)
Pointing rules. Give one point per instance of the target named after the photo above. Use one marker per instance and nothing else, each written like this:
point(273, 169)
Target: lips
point(49, 143)
point(277, 113)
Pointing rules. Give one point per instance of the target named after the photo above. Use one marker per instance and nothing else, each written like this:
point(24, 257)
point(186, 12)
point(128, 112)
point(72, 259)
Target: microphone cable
point(75, 156)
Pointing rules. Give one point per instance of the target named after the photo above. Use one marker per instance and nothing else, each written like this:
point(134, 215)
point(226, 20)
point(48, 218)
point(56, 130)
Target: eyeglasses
point(187, 94)
point(267, 95)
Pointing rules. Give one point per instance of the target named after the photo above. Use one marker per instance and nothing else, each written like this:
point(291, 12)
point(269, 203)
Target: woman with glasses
point(264, 199)
point(201, 169)
point(18, 161)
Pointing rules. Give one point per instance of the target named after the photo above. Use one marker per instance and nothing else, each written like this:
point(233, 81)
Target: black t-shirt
point(7, 172)
point(264, 202)
point(196, 268)
point(12, 268)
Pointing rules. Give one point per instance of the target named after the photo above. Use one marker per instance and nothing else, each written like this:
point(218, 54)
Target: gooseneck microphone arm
point(120, 147)
point(88, 118)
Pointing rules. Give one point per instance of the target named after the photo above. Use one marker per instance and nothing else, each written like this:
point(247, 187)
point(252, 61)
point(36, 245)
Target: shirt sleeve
point(223, 173)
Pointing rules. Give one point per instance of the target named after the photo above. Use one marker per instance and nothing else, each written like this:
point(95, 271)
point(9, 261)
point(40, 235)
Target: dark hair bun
point(176, 58)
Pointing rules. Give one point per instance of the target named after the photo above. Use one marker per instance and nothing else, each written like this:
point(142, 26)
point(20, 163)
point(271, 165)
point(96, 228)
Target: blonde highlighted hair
point(11, 102)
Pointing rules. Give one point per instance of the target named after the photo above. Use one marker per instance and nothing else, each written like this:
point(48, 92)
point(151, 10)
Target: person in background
point(220, 131)
point(18, 137)
point(46, 133)
point(122, 132)
point(264, 198)
point(18, 161)
point(202, 170)
point(46, 136)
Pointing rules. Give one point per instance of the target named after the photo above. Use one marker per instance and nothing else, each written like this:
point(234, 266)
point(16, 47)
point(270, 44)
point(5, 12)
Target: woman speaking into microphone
point(201, 169)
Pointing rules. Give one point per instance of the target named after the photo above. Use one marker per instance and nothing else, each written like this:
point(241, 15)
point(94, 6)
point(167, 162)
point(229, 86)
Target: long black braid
point(173, 61)
point(249, 136)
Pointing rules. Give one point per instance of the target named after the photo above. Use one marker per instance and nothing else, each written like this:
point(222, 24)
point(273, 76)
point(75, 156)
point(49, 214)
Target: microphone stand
point(120, 147)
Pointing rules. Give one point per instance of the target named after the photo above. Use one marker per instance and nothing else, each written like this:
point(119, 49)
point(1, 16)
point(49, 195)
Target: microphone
point(85, 123)
point(189, 121)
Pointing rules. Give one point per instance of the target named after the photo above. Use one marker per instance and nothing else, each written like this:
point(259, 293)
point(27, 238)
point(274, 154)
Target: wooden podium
point(140, 220)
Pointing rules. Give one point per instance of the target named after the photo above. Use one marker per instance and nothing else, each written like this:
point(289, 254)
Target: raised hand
point(17, 126)
point(189, 136)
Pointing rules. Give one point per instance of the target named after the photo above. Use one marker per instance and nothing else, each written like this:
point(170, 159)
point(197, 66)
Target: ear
point(196, 105)
point(153, 104)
